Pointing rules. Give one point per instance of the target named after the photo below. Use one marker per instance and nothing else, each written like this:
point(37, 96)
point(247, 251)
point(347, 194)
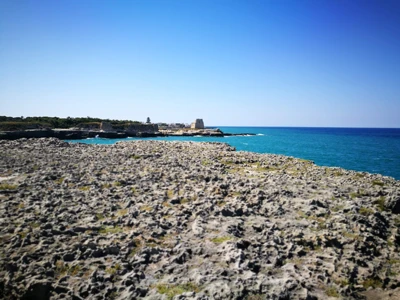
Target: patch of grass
point(257, 167)
point(393, 261)
point(236, 194)
point(354, 195)
point(372, 282)
point(307, 161)
point(117, 183)
point(137, 246)
point(110, 230)
point(6, 186)
point(297, 261)
point(381, 203)
point(170, 194)
point(106, 186)
point(114, 269)
point(269, 168)
point(184, 201)
point(332, 292)
point(34, 225)
point(321, 222)
point(99, 216)
point(21, 205)
point(151, 245)
point(166, 204)
point(351, 235)
point(84, 188)
point(221, 203)
point(338, 208)
point(205, 163)
point(235, 170)
point(59, 180)
point(344, 282)
point(255, 297)
point(74, 270)
point(133, 189)
point(302, 214)
point(146, 208)
point(134, 251)
point(22, 234)
point(61, 268)
point(337, 173)
point(172, 290)
point(366, 211)
point(220, 240)
point(377, 182)
point(122, 212)
point(136, 156)
point(227, 162)
point(360, 193)
point(317, 248)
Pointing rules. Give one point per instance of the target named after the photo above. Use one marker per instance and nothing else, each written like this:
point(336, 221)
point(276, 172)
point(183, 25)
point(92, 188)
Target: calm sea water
point(374, 150)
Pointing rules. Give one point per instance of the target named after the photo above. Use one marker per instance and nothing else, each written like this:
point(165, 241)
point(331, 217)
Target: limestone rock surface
point(184, 220)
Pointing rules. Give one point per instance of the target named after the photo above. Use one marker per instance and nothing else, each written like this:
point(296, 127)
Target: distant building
point(198, 124)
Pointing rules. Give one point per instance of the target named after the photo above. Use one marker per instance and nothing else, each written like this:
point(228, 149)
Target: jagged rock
point(393, 204)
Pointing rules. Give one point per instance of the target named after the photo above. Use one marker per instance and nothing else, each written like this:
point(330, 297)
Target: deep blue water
point(374, 150)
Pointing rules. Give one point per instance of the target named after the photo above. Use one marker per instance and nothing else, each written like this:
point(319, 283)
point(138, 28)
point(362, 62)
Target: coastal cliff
point(132, 131)
point(159, 220)
point(83, 128)
point(138, 130)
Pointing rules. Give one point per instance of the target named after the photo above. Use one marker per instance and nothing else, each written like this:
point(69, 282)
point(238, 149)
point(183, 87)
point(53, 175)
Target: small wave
point(260, 134)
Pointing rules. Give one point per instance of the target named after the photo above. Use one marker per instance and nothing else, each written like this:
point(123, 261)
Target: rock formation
point(172, 220)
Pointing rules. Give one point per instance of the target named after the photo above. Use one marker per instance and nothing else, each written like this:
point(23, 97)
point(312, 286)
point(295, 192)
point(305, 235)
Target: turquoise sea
point(374, 150)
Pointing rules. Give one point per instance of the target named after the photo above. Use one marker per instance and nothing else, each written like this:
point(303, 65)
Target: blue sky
point(259, 63)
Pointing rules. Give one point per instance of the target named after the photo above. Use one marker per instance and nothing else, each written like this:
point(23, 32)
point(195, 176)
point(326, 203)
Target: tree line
point(21, 123)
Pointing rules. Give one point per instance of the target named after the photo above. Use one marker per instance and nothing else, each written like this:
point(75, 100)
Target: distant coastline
point(83, 128)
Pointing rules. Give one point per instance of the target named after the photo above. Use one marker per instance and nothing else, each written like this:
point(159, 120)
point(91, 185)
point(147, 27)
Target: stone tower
point(198, 124)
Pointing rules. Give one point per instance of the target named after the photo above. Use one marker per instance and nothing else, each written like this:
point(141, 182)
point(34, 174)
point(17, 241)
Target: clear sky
point(260, 63)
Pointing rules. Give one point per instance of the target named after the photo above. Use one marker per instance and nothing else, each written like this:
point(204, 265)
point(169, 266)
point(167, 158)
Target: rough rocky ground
point(163, 220)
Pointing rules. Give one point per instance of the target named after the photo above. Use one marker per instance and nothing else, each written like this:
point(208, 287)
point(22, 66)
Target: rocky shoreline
point(79, 134)
point(185, 220)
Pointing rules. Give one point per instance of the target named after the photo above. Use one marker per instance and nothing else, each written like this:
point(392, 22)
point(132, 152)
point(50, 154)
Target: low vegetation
point(21, 123)
point(172, 290)
point(220, 240)
point(6, 186)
